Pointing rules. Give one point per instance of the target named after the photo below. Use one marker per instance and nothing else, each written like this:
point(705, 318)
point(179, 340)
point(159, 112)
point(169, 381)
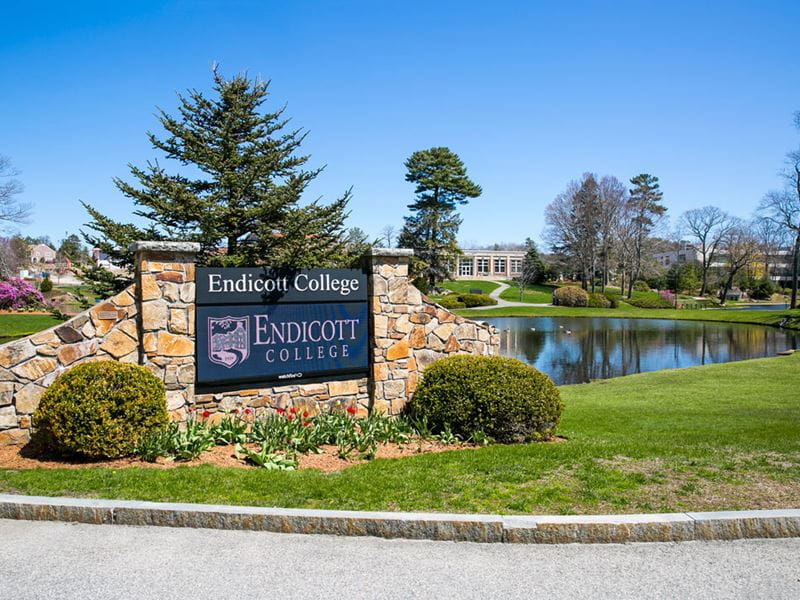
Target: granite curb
point(515, 529)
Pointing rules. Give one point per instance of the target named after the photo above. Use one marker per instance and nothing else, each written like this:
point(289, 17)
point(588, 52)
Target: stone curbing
point(513, 529)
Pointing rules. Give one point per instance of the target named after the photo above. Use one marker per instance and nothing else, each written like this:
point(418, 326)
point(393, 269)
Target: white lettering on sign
point(293, 332)
point(248, 283)
point(325, 283)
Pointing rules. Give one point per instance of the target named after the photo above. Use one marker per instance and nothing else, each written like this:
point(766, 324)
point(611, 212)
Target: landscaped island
point(706, 438)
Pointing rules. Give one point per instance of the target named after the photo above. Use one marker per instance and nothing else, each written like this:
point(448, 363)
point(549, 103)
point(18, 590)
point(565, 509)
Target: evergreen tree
point(644, 204)
point(533, 269)
point(72, 248)
point(432, 228)
point(239, 195)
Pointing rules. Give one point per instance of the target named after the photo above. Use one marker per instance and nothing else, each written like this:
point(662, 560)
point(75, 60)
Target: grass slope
point(463, 287)
point(534, 294)
point(707, 438)
point(21, 324)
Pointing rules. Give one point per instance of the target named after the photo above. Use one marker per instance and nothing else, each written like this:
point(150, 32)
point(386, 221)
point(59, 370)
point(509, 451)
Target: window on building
point(483, 266)
point(465, 267)
point(499, 265)
point(516, 265)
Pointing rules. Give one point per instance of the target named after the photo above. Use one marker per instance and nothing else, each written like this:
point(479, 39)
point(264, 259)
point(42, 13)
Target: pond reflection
point(576, 350)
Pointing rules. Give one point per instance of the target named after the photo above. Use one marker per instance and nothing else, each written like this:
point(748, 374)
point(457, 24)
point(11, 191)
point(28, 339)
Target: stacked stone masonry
point(107, 331)
point(410, 332)
point(152, 323)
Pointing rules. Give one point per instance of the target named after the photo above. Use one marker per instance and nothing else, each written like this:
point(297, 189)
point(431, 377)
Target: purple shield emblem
point(229, 340)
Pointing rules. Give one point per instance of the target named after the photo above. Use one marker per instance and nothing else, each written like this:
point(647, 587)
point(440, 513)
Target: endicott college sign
point(268, 325)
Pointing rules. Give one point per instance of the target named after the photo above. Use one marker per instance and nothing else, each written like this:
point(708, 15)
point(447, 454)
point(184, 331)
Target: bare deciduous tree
point(783, 208)
point(573, 226)
point(11, 209)
point(772, 238)
point(388, 234)
point(741, 249)
point(613, 197)
point(708, 226)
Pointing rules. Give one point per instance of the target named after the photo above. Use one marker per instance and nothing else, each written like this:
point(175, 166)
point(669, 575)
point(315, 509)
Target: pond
point(576, 350)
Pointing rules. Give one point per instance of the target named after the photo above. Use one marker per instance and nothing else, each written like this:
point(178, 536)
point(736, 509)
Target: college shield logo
point(229, 340)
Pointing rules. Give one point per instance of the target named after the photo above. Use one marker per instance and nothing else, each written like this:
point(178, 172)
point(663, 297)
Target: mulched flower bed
point(327, 461)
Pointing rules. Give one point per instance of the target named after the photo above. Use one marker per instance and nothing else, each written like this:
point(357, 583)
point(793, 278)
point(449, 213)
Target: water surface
point(576, 350)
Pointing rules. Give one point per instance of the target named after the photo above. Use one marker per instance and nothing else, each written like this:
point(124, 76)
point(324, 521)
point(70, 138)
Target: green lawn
point(708, 438)
point(788, 318)
point(463, 287)
point(21, 324)
point(534, 294)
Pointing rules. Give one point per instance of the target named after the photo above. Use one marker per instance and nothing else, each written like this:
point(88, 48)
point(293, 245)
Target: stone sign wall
point(152, 323)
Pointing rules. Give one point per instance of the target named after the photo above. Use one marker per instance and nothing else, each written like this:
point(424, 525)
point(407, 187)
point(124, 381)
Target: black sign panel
point(274, 286)
point(265, 325)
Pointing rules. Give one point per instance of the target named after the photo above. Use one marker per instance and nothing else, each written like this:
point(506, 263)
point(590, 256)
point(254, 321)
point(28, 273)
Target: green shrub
point(422, 285)
point(570, 296)
point(472, 300)
point(451, 302)
point(649, 302)
point(101, 409)
point(502, 398)
point(641, 286)
point(613, 299)
point(598, 301)
point(46, 285)
point(763, 289)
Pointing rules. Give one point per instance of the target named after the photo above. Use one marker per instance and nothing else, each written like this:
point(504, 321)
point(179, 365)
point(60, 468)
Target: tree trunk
point(704, 284)
point(725, 289)
point(795, 269)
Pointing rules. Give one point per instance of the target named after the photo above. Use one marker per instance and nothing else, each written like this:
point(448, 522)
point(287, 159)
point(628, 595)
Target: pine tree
point(644, 204)
point(239, 194)
point(432, 228)
point(533, 269)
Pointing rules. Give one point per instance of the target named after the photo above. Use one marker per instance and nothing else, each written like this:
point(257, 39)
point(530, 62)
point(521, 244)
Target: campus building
point(683, 254)
point(489, 264)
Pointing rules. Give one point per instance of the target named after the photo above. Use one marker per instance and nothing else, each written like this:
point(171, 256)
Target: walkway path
point(45, 560)
point(495, 293)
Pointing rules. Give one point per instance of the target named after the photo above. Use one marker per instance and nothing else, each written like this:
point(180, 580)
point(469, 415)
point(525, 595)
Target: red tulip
point(206, 414)
point(292, 410)
point(290, 417)
point(305, 415)
point(247, 411)
point(351, 410)
point(281, 411)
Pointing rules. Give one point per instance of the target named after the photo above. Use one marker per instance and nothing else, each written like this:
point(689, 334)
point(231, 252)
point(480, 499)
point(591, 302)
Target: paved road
point(58, 560)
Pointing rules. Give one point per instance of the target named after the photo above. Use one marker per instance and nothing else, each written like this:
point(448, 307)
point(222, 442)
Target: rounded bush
point(101, 409)
point(613, 299)
point(500, 397)
point(473, 300)
point(570, 296)
point(599, 301)
point(649, 302)
point(46, 285)
point(422, 285)
point(451, 302)
point(641, 286)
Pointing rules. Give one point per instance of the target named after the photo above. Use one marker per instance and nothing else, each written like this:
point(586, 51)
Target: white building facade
point(489, 264)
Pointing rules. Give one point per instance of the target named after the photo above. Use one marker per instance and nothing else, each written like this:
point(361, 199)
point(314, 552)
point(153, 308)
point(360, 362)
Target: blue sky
point(529, 94)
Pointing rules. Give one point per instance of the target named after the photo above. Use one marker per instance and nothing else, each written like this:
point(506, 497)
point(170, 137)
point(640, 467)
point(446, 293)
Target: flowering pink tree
point(16, 293)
